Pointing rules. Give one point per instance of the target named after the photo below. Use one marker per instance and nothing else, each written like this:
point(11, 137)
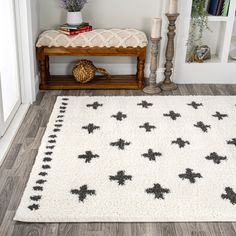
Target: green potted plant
point(198, 24)
point(74, 7)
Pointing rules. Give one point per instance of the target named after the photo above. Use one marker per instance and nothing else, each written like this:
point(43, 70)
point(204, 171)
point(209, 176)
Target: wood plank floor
point(16, 168)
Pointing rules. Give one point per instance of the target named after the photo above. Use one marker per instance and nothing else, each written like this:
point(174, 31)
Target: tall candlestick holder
point(167, 84)
point(153, 88)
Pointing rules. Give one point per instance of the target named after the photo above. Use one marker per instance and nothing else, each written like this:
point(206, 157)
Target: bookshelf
point(220, 68)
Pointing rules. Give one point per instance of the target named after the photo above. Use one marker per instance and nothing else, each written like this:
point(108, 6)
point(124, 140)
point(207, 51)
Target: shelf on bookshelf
point(218, 18)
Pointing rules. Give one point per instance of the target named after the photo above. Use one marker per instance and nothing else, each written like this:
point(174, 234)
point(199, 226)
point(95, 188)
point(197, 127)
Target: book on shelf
point(75, 29)
point(225, 9)
point(218, 7)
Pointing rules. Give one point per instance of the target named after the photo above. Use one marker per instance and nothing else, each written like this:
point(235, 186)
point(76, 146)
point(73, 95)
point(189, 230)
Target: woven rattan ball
point(84, 71)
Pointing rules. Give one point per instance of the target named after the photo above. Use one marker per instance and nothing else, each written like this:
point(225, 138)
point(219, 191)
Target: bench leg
point(43, 68)
point(47, 66)
point(140, 71)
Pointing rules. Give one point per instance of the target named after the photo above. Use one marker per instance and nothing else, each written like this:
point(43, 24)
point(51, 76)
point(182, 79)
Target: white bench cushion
point(96, 38)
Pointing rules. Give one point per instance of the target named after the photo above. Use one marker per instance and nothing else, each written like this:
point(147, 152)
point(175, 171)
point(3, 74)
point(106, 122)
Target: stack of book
point(218, 7)
point(75, 29)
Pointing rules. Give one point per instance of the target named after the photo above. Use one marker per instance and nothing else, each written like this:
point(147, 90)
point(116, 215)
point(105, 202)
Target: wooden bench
point(48, 81)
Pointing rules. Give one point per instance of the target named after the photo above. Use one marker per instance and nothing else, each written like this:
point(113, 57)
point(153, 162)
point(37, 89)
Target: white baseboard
point(115, 69)
point(7, 139)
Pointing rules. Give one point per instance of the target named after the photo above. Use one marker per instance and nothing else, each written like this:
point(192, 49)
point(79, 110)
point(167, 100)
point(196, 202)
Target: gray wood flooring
point(16, 168)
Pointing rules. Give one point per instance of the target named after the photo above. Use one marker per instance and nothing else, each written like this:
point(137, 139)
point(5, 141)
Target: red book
point(75, 32)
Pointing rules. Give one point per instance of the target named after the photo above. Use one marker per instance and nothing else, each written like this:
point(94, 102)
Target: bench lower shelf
point(99, 82)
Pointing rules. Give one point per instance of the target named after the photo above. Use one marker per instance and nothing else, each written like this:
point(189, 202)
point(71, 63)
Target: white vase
point(74, 18)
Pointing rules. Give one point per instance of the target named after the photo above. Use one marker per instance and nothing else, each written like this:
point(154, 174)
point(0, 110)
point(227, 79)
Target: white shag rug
point(135, 159)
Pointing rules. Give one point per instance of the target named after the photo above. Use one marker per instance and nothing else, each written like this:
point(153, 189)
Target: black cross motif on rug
point(195, 105)
point(190, 175)
point(35, 198)
point(180, 142)
point(119, 116)
point(41, 181)
point(120, 144)
point(95, 105)
point(147, 127)
point(230, 195)
point(91, 127)
point(151, 155)
point(202, 126)
point(158, 191)
point(33, 207)
point(120, 177)
point(220, 116)
point(83, 192)
point(88, 156)
point(145, 104)
point(232, 142)
point(172, 115)
point(216, 158)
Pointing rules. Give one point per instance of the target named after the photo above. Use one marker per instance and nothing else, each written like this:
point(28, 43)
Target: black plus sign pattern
point(147, 127)
point(202, 126)
point(158, 191)
point(172, 115)
point(180, 142)
point(83, 192)
point(120, 177)
point(190, 175)
point(95, 105)
point(232, 142)
point(36, 198)
point(216, 158)
point(230, 195)
point(151, 155)
point(220, 116)
point(145, 104)
point(119, 116)
point(90, 128)
point(195, 105)
point(88, 156)
point(120, 144)
point(33, 207)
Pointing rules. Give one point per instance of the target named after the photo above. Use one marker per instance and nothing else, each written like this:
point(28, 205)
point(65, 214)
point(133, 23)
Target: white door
point(9, 71)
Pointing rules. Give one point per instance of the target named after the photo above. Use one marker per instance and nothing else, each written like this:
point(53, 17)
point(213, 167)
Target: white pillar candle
point(156, 28)
point(173, 7)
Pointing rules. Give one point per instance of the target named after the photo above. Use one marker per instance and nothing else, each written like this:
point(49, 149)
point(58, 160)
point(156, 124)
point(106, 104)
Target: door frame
point(26, 71)
point(26, 48)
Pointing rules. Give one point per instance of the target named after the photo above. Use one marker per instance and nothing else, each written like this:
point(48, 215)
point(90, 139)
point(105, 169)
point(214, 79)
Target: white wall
point(103, 14)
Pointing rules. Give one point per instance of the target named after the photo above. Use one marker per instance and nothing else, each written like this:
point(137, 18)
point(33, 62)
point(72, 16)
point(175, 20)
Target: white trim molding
point(26, 47)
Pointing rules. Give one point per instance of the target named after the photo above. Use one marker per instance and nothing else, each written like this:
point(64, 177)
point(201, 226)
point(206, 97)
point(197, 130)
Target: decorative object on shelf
point(74, 7)
point(167, 84)
point(198, 24)
point(153, 88)
point(201, 53)
point(84, 71)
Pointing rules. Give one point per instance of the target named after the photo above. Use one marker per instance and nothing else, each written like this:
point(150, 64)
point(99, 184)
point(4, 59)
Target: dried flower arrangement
point(73, 5)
